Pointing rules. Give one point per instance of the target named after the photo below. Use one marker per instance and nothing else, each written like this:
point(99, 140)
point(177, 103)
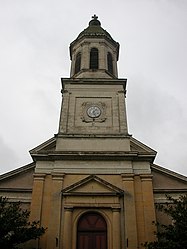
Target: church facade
point(93, 185)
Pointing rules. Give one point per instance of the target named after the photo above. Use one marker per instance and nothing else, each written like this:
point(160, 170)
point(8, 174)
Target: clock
point(94, 111)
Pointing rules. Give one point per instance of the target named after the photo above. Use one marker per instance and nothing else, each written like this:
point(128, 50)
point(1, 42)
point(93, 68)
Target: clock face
point(94, 112)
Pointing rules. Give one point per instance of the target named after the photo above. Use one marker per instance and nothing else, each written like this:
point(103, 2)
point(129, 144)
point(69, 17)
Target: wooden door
point(92, 232)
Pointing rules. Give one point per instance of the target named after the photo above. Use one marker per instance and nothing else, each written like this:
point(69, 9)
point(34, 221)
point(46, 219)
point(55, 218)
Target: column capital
point(146, 177)
point(127, 177)
point(68, 208)
point(58, 176)
point(116, 209)
point(39, 176)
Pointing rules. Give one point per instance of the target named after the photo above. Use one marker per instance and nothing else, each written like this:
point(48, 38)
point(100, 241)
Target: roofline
point(169, 172)
point(17, 171)
point(133, 139)
point(43, 145)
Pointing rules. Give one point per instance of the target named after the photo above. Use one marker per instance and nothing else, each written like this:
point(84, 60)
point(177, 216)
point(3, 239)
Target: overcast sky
point(34, 55)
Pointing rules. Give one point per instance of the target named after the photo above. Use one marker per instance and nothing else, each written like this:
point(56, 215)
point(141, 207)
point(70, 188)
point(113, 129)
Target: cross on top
point(95, 17)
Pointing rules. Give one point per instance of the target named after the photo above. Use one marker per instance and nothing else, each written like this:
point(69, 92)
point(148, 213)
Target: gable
point(21, 178)
point(47, 146)
point(164, 179)
point(138, 146)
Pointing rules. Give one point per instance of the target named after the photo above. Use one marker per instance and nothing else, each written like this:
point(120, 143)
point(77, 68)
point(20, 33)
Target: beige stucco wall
point(129, 215)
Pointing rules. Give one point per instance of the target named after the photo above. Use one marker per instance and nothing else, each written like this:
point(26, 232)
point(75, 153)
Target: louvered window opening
point(110, 63)
point(94, 58)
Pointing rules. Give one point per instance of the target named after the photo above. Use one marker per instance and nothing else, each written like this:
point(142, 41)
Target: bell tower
point(93, 107)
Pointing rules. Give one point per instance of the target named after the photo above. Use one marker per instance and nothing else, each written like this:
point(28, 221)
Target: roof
point(168, 172)
point(94, 30)
point(17, 171)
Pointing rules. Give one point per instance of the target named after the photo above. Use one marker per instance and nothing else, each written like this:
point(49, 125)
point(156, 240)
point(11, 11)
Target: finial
point(94, 17)
point(94, 21)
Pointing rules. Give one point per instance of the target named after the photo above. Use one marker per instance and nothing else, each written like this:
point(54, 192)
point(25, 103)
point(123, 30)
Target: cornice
point(93, 81)
point(17, 190)
point(79, 135)
point(97, 155)
point(167, 191)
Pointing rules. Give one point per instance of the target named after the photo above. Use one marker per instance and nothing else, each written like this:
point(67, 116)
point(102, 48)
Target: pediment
point(138, 146)
point(92, 185)
point(47, 146)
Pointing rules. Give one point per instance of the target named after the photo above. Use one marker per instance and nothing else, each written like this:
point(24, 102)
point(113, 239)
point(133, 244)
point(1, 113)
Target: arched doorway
point(91, 232)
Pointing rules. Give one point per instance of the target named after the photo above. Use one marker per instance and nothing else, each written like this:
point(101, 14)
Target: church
point(93, 185)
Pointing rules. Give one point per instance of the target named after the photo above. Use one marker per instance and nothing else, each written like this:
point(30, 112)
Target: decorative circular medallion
point(94, 111)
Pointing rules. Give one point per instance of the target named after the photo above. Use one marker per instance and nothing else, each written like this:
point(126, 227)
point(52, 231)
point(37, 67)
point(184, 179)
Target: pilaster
point(149, 209)
point(64, 112)
point(36, 204)
point(122, 110)
point(53, 241)
point(130, 211)
point(116, 228)
point(37, 195)
point(67, 229)
point(102, 57)
point(85, 55)
point(145, 208)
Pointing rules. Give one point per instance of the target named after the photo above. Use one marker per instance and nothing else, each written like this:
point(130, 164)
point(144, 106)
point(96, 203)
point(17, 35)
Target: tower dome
point(94, 53)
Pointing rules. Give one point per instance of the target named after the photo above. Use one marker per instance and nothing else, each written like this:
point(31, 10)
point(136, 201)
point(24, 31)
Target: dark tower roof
point(94, 30)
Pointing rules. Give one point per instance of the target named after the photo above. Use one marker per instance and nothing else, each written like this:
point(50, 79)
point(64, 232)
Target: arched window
point(110, 62)
point(94, 58)
point(92, 232)
point(78, 63)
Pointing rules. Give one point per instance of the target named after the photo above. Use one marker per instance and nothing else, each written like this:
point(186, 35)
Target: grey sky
point(34, 55)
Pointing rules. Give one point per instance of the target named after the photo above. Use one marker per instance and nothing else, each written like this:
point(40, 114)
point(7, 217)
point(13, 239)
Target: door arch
point(91, 231)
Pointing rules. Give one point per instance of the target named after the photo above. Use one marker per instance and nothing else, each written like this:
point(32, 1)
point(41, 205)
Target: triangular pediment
point(92, 185)
point(47, 146)
point(136, 145)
